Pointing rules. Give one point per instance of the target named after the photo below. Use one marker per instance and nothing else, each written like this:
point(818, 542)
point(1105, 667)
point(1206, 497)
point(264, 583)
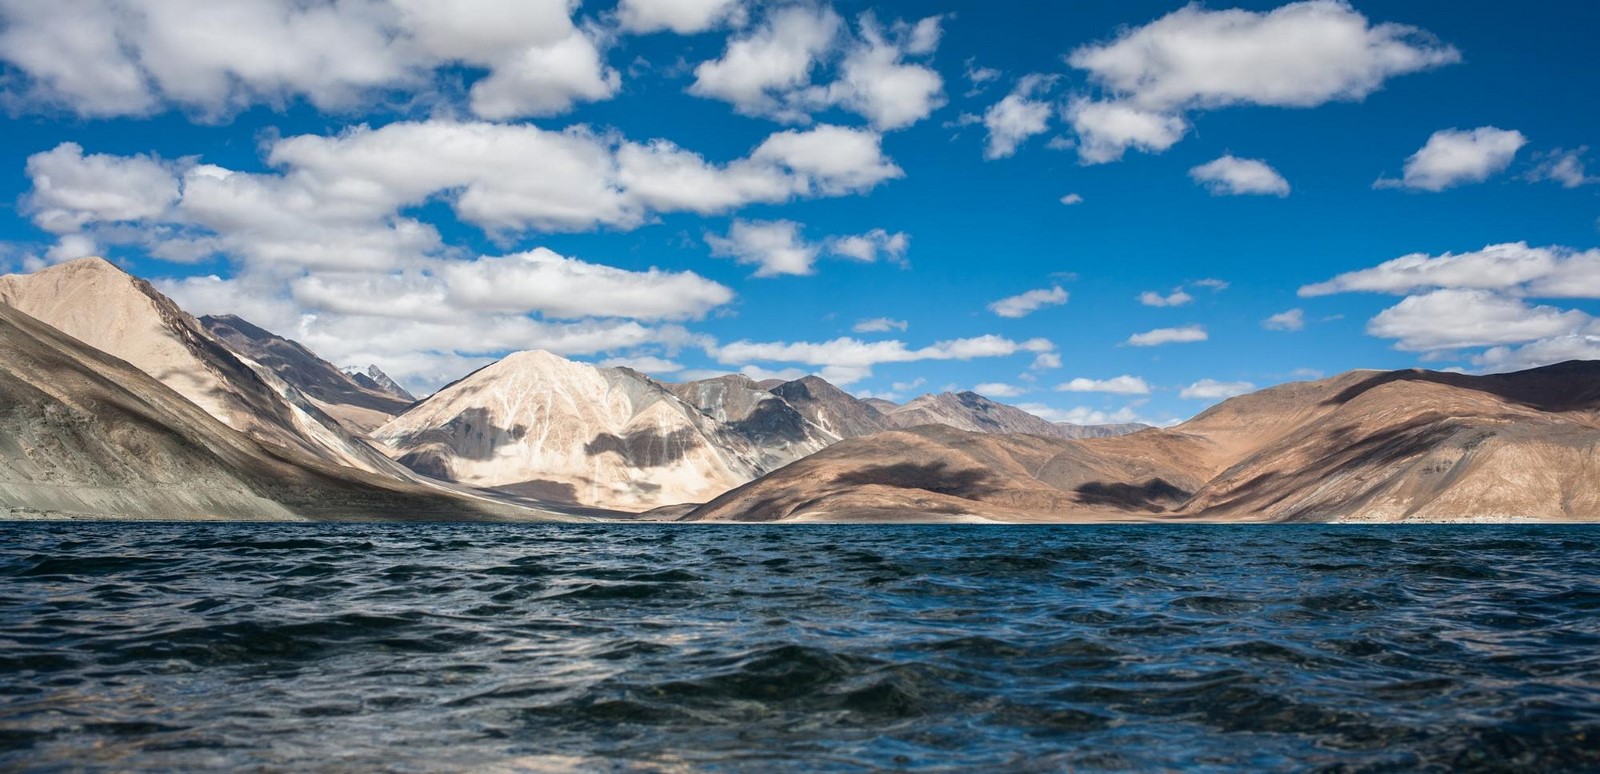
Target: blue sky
point(697, 186)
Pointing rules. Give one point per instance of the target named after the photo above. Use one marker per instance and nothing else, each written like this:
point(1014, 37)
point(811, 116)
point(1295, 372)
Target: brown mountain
point(830, 408)
point(974, 413)
point(1363, 446)
point(358, 407)
point(124, 316)
point(86, 434)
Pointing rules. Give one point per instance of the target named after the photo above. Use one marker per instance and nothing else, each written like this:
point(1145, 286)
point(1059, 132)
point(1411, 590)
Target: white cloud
point(1178, 297)
point(768, 70)
point(1551, 272)
point(1159, 336)
point(1116, 385)
point(1453, 157)
point(71, 190)
point(1292, 320)
point(1455, 319)
point(777, 248)
point(762, 66)
point(1234, 176)
point(649, 364)
point(774, 247)
point(1024, 304)
point(1071, 199)
point(998, 390)
point(1020, 115)
point(880, 325)
point(1106, 130)
point(875, 81)
point(979, 77)
point(332, 317)
point(566, 288)
point(1082, 415)
point(1211, 283)
point(1299, 55)
point(1564, 167)
point(684, 17)
point(337, 201)
point(1211, 389)
point(874, 245)
point(1556, 349)
point(134, 57)
point(847, 360)
point(1045, 361)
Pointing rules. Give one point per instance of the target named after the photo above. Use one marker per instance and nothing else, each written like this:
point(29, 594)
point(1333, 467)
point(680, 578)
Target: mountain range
point(115, 403)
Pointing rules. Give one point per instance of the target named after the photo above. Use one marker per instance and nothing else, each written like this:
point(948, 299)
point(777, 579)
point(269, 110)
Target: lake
point(646, 647)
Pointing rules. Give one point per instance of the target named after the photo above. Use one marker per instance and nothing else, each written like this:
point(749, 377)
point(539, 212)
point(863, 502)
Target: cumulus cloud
point(566, 288)
point(649, 364)
point(998, 390)
point(1292, 320)
point(684, 17)
point(1082, 415)
point(71, 190)
point(1556, 349)
point(848, 360)
point(1184, 335)
point(1178, 297)
point(1458, 301)
point(1024, 304)
point(1299, 55)
point(1107, 129)
point(1045, 361)
point(1233, 176)
point(339, 201)
point(1116, 385)
point(1071, 199)
point(1455, 319)
point(1548, 272)
point(777, 247)
point(762, 68)
point(880, 325)
point(769, 70)
point(1020, 115)
point(135, 57)
point(1453, 157)
point(1211, 389)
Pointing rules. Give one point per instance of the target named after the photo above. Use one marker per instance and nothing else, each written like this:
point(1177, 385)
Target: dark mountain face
point(375, 379)
point(352, 403)
point(831, 408)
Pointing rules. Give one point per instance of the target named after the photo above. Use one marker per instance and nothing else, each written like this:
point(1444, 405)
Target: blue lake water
point(420, 647)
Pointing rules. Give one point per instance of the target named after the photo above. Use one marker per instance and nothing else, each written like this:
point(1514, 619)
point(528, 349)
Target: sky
point(1099, 211)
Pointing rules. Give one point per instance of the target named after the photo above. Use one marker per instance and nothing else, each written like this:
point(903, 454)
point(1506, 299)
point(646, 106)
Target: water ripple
point(650, 647)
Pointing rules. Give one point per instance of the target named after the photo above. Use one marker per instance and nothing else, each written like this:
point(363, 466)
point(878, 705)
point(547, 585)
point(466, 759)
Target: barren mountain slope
point(84, 433)
point(939, 473)
point(373, 378)
point(124, 316)
point(1365, 446)
point(974, 413)
point(541, 425)
point(767, 422)
point(830, 408)
point(1392, 446)
point(359, 408)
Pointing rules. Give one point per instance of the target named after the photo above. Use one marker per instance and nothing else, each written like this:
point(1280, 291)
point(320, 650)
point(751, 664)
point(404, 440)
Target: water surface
point(420, 647)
